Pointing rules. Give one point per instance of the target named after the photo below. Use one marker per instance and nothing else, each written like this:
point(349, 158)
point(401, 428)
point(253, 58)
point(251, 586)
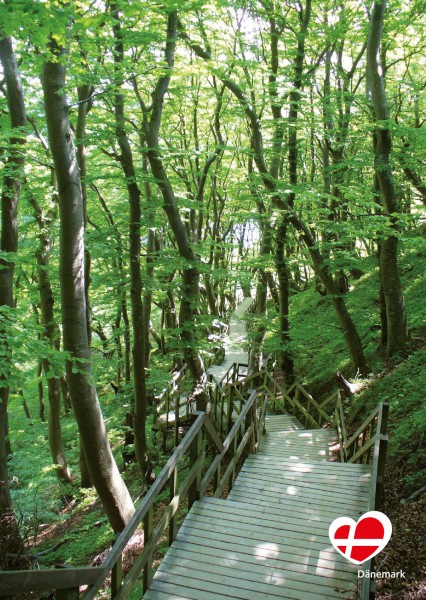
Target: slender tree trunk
point(397, 328)
point(83, 94)
point(190, 273)
point(349, 330)
point(103, 470)
point(9, 245)
point(286, 358)
point(65, 393)
point(51, 333)
point(136, 287)
point(40, 390)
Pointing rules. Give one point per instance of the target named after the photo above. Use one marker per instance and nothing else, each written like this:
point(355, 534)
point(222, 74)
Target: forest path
point(235, 342)
point(269, 538)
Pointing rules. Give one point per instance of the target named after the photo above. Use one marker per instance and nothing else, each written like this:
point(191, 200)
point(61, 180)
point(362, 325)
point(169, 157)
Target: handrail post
point(167, 408)
point(116, 574)
point(234, 452)
point(229, 410)
point(147, 535)
point(194, 453)
point(176, 423)
point(172, 494)
point(252, 418)
point(382, 421)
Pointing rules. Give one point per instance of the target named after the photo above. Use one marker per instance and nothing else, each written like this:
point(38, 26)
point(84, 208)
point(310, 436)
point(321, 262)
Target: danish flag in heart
point(361, 541)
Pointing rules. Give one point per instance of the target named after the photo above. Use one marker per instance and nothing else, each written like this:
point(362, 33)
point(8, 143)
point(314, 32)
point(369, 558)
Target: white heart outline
point(384, 520)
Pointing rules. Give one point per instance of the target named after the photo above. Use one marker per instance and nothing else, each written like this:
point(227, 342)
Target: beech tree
point(11, 187)
point(283, 203)
point(396, 318)
point(100, 461)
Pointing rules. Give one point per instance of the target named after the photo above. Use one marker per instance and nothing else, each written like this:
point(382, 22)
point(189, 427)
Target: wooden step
point(269, 538)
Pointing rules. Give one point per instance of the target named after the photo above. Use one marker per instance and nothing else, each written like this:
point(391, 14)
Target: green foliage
point(403, 385)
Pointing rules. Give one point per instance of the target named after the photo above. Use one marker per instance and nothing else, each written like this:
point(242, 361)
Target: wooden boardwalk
point(235, 343)
point(269, 538)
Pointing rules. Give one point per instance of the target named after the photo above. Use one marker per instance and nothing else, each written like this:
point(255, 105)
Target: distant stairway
point(269, 538)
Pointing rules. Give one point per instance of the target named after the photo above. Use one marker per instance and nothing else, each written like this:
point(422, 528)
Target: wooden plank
point(310, 465)
point(306, 500)
point(287, 480)
point(272, 513)
point(20, 582)
point(182, 591)
point(326, 469)
point(289, 532)
point(287, 522)
point(306, 506)
point(246, 562)
point(256, 557)
point(303, 435)
point(302, 494)
point(260, 530)
point(272, 583)
point(157, 595)
point(255, 571)
point(284, 554)
point(297, 452)
point(299, 455)
point(329, 475)
point(277, 463)
point(256, 535)
point(352, 483)
point(214, 584)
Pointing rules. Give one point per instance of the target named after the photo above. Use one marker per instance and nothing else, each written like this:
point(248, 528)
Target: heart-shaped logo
point(361, 541)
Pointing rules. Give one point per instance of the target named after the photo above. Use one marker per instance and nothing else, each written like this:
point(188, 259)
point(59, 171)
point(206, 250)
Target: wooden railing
point(214, 475)
point(173, 405)
point(295, 400)
point(376, 445)
point(227, 396)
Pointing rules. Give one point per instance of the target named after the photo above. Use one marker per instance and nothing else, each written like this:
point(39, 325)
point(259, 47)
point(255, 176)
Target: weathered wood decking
point(269, 538)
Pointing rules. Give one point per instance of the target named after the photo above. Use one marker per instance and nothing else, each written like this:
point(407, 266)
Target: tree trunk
point(51, 333)
point(136, 286)
point(397, 328)
point(103, 470)
point(14, 170)
point(83, 94)
point(190, 273)
point(286, 359)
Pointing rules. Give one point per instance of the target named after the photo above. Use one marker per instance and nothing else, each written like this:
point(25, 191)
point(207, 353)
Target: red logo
point(360, 541)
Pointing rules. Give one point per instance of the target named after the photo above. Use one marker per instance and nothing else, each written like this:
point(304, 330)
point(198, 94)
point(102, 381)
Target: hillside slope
point(319, 352)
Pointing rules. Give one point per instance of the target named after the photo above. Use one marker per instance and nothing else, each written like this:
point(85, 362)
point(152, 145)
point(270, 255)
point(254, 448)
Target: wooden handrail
point(362, 427)
point(376, 486)
point(148, 500)
point(19, 582)
point(193, 486)
point(227, 442)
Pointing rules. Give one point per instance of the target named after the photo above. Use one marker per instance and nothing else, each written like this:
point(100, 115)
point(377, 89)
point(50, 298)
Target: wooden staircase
point(269, 538)
point(260, 534)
